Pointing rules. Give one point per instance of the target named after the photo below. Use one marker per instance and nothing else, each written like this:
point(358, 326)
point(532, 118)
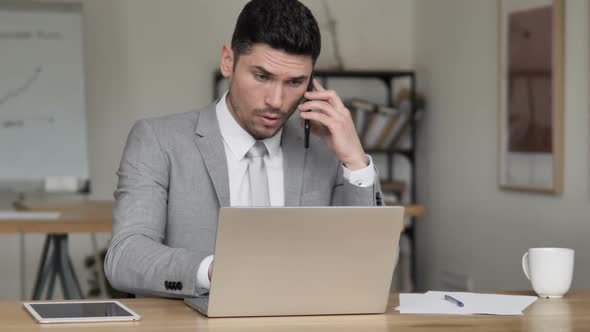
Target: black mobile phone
point(307, 125)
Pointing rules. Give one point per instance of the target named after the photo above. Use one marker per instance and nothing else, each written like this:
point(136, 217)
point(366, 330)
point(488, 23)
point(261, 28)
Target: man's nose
point(274, 97)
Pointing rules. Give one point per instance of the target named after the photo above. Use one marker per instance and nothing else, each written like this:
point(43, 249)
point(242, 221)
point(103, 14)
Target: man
point(247, 149)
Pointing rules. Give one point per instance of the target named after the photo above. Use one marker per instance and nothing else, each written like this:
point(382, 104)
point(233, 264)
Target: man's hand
point(333, 123)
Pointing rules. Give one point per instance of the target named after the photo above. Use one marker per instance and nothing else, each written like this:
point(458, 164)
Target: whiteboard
point(43, 142)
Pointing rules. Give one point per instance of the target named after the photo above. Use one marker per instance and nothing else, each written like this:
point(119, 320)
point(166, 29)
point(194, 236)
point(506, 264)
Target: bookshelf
point(389, 80)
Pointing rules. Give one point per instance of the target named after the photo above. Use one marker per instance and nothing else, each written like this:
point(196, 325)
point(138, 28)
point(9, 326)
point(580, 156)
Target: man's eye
point(261, 77)
point(295, 83)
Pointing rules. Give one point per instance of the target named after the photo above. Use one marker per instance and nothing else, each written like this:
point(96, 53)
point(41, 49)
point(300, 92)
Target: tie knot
point(257, 150)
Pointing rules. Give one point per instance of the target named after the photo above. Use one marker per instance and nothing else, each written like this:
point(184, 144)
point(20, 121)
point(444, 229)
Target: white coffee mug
point(550, 270)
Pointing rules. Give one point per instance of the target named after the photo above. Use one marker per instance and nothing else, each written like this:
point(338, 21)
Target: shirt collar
point(238, 140)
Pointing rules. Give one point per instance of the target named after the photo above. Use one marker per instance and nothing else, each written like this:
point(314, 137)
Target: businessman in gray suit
point(246, 149)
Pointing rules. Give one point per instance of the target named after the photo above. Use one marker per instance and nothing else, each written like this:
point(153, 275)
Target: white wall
point(473, 229)
point(153, 57)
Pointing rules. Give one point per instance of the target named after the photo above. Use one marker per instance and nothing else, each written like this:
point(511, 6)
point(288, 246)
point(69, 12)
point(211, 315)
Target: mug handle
point(525, 265)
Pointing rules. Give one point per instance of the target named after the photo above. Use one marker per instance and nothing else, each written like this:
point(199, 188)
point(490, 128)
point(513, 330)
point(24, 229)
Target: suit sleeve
point(346, 193)
point(137, 261)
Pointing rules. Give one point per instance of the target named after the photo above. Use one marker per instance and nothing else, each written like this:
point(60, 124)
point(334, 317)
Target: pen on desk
point(454, 301)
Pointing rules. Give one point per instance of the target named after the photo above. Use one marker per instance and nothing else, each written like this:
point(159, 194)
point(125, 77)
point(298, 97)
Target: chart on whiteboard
point(21, 91)
point(42, 101)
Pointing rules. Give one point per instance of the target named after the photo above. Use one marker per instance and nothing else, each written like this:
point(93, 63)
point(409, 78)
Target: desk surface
point(91, 217)
point(569, 314)
point(81, 217)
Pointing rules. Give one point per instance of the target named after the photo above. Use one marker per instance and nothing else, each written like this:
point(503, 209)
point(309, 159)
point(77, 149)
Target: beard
point(247, 119)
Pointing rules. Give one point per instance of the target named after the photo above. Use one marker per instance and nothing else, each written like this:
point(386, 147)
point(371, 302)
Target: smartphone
point(307, 125)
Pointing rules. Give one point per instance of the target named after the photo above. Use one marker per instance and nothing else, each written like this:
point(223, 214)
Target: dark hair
point(285, 25)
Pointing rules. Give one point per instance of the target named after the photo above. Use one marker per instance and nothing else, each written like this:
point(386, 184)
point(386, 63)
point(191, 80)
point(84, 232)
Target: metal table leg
point(69, 280)
point(43, 271)
point(56, 262)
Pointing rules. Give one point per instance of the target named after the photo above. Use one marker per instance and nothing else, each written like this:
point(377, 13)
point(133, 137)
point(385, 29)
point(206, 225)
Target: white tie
point(257, 173)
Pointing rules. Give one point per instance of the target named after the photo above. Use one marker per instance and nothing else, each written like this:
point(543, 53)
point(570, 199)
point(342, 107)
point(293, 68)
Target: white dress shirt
point(237, 142)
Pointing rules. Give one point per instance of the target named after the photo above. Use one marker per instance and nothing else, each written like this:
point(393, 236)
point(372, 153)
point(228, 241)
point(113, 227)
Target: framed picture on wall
point(531, 47)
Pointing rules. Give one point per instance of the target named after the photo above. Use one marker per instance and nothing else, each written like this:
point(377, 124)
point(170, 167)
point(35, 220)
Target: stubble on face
point(255, 79)
point(247, 118)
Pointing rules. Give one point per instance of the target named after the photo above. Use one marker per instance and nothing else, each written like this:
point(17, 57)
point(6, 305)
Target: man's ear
point(227, 61)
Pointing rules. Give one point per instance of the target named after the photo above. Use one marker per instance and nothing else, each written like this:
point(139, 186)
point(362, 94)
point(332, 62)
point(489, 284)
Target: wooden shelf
point(396, 187)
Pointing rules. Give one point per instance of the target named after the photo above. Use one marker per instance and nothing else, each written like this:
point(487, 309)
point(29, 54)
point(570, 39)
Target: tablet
point(80, 311)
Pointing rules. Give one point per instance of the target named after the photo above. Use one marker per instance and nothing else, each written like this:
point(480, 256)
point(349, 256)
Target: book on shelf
point(388, 130)
point(403, 102)
point(382, 121)
point(362, 112)
point(381, 127)
point(403, 124)
point(393, 137)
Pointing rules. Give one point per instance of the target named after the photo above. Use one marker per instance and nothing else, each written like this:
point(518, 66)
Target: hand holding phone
point(333, 124)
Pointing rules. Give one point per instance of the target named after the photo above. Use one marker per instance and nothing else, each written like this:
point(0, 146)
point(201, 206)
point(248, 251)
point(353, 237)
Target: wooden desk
point(556, 315)
point(68, 222)
point(78, 217)
point(81, 217)
point(91, 209)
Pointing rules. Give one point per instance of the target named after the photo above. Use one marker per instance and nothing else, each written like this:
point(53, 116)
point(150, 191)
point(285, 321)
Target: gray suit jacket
point(173, 180)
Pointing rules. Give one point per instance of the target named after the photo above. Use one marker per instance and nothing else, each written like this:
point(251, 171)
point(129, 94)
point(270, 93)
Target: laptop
point(286, 261)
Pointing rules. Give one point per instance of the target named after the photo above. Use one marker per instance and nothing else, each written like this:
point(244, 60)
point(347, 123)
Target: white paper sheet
point(489, 304)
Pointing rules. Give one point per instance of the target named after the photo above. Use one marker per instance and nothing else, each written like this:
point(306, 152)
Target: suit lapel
point(210, 143)
point(293, 163)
